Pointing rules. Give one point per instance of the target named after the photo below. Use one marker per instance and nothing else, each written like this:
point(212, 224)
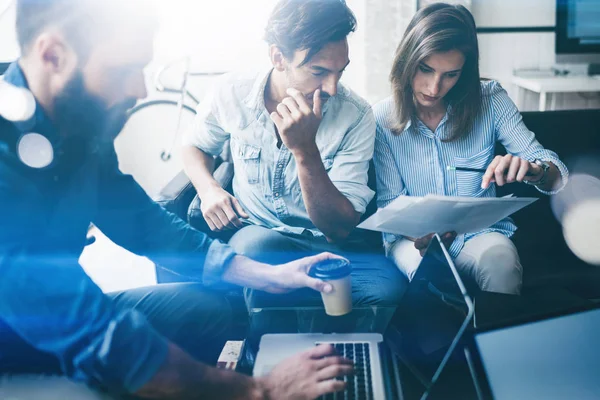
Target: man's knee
point(210, 309)
point(199, 321)
point(264, 245)
point(252, 241)
point(381, 283)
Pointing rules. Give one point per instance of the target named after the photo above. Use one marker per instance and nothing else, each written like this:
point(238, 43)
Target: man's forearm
point(330, 211)
point(245, 272)
point(199, 167)
point(182, 377)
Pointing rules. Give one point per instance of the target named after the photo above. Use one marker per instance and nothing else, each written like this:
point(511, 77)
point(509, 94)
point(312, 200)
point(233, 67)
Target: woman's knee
point(500, 270)
point(405, 256)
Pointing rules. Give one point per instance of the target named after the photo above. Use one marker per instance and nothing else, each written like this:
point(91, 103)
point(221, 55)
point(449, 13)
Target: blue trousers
point(375, 279)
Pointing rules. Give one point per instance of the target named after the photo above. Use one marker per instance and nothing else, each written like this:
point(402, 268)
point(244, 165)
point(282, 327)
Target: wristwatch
point(545, 167)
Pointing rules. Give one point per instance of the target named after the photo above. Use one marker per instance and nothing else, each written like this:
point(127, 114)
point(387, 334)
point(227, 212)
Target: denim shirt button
point(276, 194)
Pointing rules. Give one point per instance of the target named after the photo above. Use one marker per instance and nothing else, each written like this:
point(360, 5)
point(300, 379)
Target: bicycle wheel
point(148, 134)
point(151, 103)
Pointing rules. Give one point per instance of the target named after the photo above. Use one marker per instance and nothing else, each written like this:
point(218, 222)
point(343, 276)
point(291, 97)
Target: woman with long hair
point(443, 117)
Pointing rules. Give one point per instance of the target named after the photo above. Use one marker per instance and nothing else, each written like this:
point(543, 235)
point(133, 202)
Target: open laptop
point(379, 378)
point(557, 357)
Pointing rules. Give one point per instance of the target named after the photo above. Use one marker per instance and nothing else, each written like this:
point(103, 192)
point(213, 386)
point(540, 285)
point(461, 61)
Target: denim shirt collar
point(256, 98)
point(39, 122)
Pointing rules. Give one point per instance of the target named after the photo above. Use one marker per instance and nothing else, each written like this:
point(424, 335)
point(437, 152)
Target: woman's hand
point(509, 169)
point(422, 243)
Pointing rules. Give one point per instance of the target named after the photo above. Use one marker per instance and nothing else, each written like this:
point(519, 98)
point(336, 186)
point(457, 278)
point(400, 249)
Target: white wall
point(503, 53)
point(513, 13)
point(9, 50)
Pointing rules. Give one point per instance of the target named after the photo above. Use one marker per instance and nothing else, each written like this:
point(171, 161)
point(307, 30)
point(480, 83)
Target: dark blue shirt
point(45, 296)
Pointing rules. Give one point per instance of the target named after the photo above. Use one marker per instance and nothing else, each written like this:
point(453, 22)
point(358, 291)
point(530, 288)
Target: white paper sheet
point(419, 216)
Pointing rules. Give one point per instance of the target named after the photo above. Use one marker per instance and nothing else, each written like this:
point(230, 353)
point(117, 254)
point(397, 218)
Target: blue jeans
point(375, 279)
point(194, 318)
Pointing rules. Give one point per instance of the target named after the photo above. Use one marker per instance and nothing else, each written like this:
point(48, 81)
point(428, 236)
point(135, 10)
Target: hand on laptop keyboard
point(359, 386)
point(308, 375)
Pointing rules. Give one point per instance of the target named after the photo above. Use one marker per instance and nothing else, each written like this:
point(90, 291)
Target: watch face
point(543, 164)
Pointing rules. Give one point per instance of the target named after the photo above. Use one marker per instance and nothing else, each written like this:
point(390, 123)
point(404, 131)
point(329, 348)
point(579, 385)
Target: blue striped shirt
point(414, 162)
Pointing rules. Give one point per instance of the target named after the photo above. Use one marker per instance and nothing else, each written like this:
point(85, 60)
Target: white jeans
point(490, 259)
point(41, 387)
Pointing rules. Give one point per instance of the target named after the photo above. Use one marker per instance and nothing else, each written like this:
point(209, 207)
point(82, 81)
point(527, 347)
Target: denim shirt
point(45, 295)
point(266, 177)
point(414, 162)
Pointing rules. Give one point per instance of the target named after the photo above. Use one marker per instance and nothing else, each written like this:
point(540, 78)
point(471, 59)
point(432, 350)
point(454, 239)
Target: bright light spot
point(16, 104)
point(581, 228)
point(218, 35)
point(583, 185)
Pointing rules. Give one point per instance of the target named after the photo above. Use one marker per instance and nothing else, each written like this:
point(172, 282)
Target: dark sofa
point(546, 259)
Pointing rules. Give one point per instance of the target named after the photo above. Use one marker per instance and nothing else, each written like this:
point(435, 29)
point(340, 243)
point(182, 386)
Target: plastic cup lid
point(330, 269)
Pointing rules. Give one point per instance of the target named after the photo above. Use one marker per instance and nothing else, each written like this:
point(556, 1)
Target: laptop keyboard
point(360, 386)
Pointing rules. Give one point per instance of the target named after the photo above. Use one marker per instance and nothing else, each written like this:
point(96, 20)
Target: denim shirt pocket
point(248, 157)
point(468, 183)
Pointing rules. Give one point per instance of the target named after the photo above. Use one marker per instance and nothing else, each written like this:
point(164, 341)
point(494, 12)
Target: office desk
point(556, 84)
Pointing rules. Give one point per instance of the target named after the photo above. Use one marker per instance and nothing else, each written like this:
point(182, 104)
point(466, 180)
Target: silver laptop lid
point(433, 316)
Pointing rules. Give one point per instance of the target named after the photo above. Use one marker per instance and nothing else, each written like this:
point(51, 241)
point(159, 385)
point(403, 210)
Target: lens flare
point(581, 228)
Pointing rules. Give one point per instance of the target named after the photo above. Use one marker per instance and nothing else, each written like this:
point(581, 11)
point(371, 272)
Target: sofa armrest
point(224, 176)
point(177, 195)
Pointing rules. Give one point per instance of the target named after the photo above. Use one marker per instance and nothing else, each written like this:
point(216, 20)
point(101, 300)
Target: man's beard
point(84, 122)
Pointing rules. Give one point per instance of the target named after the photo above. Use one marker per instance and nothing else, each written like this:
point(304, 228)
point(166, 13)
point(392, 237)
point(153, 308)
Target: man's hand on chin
point(297, 122)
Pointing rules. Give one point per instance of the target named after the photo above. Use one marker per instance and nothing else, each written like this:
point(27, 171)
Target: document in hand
point(419, 216)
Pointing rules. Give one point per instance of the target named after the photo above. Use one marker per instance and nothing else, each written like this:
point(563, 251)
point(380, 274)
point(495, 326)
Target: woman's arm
point(509, 168)
point(522, 148)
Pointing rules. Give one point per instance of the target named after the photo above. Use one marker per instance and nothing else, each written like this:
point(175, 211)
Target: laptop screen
point(432, 317)
point(557, 358)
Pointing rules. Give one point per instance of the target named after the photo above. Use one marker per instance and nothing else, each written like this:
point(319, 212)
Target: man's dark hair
point(83, 22)
point(308, 25)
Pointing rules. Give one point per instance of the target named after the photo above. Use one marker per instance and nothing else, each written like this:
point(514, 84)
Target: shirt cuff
point(564, 175)
point(218, 257)
point(359, 198)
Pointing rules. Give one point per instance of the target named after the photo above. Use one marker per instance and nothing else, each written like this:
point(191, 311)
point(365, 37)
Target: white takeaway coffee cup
point(336, 272)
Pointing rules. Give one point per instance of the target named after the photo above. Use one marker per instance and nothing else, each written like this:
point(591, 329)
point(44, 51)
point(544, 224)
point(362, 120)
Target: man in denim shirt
point(53, 318)
point(301, 143)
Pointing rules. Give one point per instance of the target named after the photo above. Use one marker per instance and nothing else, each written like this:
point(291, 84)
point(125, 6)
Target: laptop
point(380, 361)
point(557, 357)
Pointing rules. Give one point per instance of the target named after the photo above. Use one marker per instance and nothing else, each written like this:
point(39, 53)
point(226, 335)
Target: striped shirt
point(414, 162)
